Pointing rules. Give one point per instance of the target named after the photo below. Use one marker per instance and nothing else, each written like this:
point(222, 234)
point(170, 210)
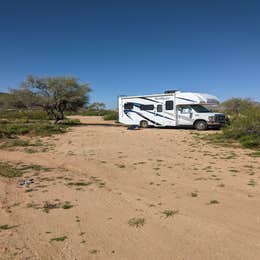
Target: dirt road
point(147, 194)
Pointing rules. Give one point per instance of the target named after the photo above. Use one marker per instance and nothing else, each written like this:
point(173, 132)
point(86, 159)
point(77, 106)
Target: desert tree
point(23, 99)
point(97, 106)
point(55, 95)
point(5, 101)
point(238, 105)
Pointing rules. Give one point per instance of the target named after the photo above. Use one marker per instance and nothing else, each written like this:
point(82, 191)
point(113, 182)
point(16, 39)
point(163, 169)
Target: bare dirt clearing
point(108, 193)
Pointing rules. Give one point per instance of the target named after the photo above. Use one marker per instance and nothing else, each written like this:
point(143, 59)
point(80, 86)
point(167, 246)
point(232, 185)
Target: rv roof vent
point(170, 91)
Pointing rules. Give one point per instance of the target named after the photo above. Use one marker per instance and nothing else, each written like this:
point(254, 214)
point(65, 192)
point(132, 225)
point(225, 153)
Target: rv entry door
point(159, 114)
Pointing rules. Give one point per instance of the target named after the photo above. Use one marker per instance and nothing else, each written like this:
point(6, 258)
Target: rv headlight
point(211, 118)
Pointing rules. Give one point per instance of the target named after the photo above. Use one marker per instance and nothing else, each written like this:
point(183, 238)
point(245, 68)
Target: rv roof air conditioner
point(170, 91)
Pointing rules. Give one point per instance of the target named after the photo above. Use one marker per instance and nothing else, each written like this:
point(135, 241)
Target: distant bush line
point(38, 123)
point(106, 114)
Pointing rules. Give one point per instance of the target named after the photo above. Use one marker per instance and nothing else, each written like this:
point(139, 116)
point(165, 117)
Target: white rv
point(173, 108)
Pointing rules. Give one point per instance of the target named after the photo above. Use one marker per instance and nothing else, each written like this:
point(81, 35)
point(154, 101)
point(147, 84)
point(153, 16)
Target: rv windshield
point(200, 109)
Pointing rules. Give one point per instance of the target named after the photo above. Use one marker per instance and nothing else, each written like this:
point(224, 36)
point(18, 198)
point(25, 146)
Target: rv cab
point(188, 114)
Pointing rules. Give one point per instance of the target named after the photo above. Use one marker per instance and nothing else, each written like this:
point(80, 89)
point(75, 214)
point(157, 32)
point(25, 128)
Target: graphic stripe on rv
point(139, 114)
point(139, 105)
point(186, 99)
point(150, 99)
point(160, 115)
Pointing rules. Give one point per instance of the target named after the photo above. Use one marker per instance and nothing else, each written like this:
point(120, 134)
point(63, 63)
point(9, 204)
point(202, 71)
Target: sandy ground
point(111, 175)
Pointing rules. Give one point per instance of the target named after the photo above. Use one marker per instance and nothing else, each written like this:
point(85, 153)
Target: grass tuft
point(10, 171)
point(67, 205)
point(136, 222)
point(169, 213)
point(59, 239)
point(79, 183)
point(48, 206)
point(255, 154)
point(5, 227)
point(214, 202)
point(194, 194)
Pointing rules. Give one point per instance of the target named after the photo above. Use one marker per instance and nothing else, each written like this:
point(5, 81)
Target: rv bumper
point(215, 123)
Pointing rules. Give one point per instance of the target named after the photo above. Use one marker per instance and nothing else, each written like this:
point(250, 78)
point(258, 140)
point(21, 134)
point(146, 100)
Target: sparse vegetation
point(120, 165)
point(93, 251)
point(33, 205)
point(5, 227)
point(10, 171)
point(194, 194)
point(111, 115)
point(169, 213)
point(214, 202)
point(59, 239)
point(252, 183)
point(9, 143)
point(23, 115)
point(80, 183)
point(136, 222)
point(255, 154)
point(233, 170)
point(106, 114)
point(48, 206)
point(34, 167)
point(29, 190)
point(13, 129)
point(67, 205)
point(70, 122)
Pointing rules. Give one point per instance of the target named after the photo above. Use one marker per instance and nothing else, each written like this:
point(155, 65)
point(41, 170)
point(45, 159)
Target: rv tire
point(143, 124)
point(201, 125)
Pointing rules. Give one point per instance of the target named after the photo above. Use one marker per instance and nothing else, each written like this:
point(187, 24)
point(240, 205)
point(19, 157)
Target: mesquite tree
point(57, 94)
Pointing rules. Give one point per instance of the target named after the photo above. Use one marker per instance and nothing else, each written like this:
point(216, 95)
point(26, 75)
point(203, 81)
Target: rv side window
point(169, 105)
point(147, 107)
point(159, 108)
point(128, 106)
point(185, 110)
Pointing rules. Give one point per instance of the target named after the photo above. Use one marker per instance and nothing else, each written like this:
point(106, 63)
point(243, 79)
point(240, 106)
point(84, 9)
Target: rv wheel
point(201, 125)
point(143, 124)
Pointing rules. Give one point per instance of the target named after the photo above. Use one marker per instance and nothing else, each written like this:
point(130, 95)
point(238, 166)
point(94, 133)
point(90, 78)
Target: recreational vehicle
point(173, 108)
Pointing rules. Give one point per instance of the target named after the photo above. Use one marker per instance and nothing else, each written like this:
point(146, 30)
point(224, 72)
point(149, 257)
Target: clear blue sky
point(134, 47)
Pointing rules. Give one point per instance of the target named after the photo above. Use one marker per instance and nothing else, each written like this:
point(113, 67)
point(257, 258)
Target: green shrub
point(250, 141)
point(107, 114)
point(111, 115)
point(42, 129)
point(9, 170)
point(70, 122)
point(9, 130)
point(245, 127)
point(48, 129)
point(24, 115)
point(238, 105)
point(14, 143)
point(94, 112)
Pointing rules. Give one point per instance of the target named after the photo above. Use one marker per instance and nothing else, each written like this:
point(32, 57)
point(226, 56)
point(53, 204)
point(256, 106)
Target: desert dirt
point(111, 175)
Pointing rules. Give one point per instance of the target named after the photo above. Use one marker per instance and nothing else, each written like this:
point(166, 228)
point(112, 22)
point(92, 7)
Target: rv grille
point(220, 118)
